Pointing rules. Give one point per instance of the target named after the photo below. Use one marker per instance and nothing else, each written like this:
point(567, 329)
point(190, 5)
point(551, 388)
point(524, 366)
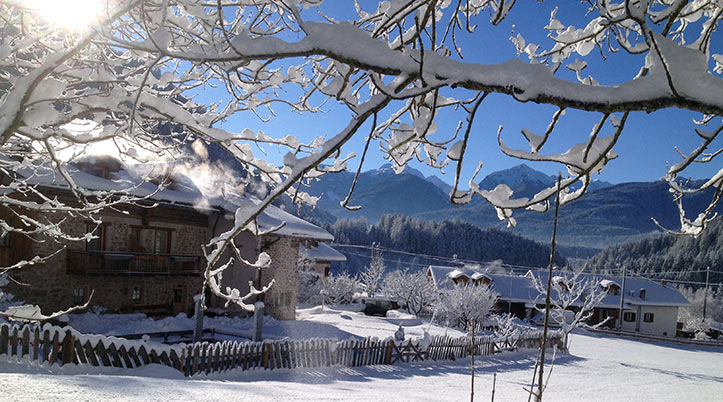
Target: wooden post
point(4, 335)
point(265, 358)
point(388, 355)
point(36, 343)
point(26, 342)
point(258, 321)
point(494, 381)
point(68, 348)
point(46, 347)
point(14, 342)
point(198, 315)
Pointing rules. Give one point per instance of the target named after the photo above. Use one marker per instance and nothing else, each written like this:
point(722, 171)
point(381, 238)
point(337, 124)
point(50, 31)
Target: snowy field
point(340, 322)
point(599, 368)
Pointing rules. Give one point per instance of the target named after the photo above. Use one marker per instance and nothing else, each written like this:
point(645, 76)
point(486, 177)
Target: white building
point(647, 307)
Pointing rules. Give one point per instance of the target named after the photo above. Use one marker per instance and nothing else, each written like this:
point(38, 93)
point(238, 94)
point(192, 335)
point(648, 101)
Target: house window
point(648, 317)
point(613, 290)
point(149, 240)
point(629, 316)
point(134, 241)
point(136, 294)
point(177, 295)
point(161, 241)
point(95, 244)
point(78, 296)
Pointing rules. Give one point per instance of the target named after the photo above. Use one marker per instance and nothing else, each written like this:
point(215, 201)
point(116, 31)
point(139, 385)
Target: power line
point(512, 267)
point(435, 257)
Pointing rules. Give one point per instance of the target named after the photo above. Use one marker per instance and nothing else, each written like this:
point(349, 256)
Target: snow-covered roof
point(606, 283)
point(322, 252)
point(440, 275)
point(479, 275)
point(655, 293)
point(456, 274)
point(185, 196)
point(521, 289)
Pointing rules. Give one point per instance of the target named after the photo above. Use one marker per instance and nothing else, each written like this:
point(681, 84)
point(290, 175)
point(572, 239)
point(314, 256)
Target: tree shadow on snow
point(306, 330)
point(484, 365)
point(713, 348)
point(678, 374)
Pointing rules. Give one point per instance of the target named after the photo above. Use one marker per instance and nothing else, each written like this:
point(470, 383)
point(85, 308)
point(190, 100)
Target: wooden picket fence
point(54, 345)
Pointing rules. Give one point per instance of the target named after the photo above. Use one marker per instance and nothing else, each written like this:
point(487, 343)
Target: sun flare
point(72, 15)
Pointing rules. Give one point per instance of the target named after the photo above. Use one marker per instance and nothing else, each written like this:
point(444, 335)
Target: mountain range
point(608, 214)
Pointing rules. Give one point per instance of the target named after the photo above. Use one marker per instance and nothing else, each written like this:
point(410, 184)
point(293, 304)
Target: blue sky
point(647, 144)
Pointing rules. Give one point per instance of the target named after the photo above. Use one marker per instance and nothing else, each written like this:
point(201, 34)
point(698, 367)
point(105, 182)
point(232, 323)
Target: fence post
point(198, 316)
point(388, 355)
point(4, 335)
point(265, 357)
point(68, 348)
point(258, 321)
point(26, 342)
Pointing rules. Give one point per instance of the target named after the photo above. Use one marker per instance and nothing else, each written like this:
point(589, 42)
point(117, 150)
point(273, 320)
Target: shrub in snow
point(568, 290)
point(372, 275)
point(412, 290)
point(339, 289)
point(309, 287)
point(464, 304)
point(508, 329)
point(692, 316)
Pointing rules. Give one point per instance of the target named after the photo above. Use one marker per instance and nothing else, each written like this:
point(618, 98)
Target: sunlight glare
point(72, 15)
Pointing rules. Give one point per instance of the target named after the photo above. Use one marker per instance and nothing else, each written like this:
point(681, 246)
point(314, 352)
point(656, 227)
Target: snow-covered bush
point(692, 316)
point(508, 329)
point(412, 290)
point(573, 296)
point(310, 285)
point(339, 289)
point(462, 305)
point(372, 275)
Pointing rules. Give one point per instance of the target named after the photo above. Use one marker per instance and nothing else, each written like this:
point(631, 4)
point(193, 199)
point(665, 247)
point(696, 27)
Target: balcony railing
point(121, 262)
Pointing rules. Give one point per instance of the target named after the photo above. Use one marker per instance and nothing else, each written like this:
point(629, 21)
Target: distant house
point(150, 259)
point(648, 307)
point(319, 256)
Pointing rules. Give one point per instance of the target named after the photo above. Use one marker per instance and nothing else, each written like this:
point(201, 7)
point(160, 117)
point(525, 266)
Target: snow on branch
point(32, 313)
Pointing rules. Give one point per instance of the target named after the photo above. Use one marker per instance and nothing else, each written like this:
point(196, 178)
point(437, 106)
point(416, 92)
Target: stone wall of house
point(280, 299)
point(51, 287)
point(54, 289)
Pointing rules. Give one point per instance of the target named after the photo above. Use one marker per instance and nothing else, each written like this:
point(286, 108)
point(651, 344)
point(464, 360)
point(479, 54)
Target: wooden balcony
point(127, 263)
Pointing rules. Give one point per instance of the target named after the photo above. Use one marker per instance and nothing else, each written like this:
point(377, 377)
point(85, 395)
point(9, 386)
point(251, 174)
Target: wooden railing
point(55, 345)
point(121, 262)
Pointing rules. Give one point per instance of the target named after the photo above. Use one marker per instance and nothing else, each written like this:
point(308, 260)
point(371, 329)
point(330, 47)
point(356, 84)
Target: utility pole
point(705, 295)
point(622, 300)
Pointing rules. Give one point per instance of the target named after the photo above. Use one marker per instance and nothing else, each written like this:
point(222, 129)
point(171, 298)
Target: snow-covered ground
point(598, 368)
point(340, 322)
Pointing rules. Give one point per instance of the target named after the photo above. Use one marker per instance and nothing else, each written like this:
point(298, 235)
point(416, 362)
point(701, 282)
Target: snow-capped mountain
point(607, 214)
point(526, 182)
